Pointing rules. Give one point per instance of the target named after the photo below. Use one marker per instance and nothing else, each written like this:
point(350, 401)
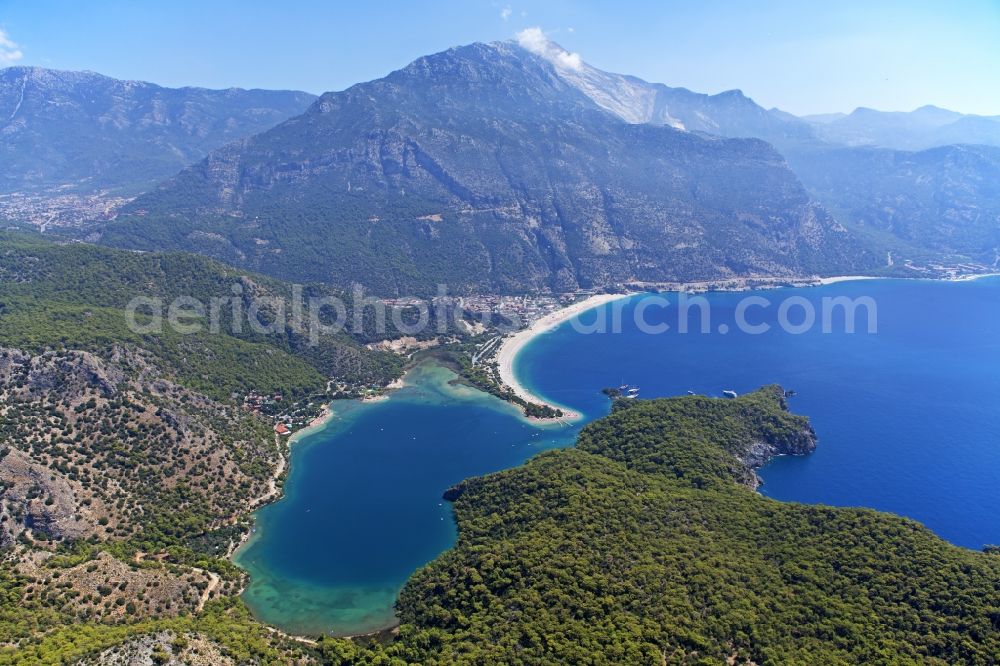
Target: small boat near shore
point(730, 394)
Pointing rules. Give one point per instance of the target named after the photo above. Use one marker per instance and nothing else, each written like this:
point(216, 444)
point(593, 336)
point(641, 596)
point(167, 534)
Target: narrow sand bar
point(513, 344)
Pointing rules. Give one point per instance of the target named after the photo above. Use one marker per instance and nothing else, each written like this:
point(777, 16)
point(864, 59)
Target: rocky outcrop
point(759, 452)
point(453, 493)
point(793, 437)
point(92, 445)
point(31, 497)
point(164, 648)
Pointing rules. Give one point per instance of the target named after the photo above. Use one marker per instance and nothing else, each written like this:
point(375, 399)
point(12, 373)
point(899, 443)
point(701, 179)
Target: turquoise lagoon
point(908, 421)
point(362, 508)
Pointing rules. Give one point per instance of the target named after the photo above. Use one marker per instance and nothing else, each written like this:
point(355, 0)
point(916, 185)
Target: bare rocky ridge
point(92, 445)
point(33, 499)
point(106, 589)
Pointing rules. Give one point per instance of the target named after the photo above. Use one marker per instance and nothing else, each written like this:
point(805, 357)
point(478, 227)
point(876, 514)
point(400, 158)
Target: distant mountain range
point(510, 167)
point(83, 132)
point(939, 204)
point(926, 127)
point(923, 185)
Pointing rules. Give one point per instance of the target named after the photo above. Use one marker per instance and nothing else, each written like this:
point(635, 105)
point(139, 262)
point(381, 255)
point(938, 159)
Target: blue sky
point(804, 57)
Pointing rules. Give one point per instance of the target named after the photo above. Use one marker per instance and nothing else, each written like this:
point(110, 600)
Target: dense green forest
point(641, 546)
point(644, 544)
point(75, 296)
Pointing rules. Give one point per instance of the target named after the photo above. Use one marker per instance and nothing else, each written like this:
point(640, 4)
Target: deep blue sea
point(907, 421)
point(908, 418)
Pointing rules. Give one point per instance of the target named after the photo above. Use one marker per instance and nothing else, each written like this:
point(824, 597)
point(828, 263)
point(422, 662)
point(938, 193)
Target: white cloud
point(506, 12)
point(534, 40)
point(10, 52)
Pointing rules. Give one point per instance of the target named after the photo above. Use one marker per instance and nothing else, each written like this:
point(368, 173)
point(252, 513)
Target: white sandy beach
point(513, 344)
point(958, 278)
point(846, 278)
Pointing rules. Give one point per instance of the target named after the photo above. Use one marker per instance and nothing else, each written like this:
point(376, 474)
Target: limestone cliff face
point(488, 169)
point(760, 451)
